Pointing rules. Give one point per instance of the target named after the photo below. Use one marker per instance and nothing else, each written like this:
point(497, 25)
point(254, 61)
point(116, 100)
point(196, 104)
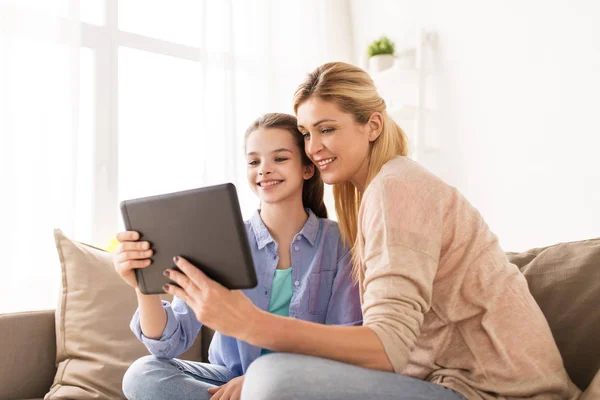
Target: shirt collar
point(263, 237)
point(311, 227)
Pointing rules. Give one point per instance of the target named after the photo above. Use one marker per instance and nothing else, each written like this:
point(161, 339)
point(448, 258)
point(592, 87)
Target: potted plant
point(381, 54)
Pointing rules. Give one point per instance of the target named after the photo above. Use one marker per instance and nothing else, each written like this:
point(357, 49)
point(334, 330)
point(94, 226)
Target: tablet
point(203, 225)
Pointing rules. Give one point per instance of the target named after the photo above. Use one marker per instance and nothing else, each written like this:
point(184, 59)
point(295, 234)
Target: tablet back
point(203, 225)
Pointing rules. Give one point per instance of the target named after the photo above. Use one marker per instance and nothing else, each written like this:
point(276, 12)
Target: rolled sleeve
point(179, 333)
point(400, 258)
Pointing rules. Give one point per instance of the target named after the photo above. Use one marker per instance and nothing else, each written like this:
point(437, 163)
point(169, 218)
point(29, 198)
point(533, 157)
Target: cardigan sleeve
point(401, 225)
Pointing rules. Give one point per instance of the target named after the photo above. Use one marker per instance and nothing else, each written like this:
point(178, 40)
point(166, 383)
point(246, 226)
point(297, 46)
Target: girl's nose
point(264, 169)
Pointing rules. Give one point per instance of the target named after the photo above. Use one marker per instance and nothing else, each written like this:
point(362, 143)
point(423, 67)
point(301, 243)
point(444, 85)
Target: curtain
point(115, 99)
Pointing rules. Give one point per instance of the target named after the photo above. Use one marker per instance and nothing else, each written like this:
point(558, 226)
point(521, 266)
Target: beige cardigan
point(442, 297)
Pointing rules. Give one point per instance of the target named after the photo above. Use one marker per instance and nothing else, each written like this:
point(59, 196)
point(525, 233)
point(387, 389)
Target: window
point(103, 100)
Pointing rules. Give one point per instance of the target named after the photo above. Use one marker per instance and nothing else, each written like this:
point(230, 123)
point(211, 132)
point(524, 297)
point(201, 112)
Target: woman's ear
point(309, 171)
point(375, 126)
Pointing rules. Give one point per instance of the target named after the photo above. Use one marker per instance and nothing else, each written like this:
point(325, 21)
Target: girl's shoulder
point(329, 225)
point(331, 235)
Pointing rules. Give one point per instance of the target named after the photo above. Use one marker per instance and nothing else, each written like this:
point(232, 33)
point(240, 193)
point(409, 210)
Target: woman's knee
point(140, 377)
point(272, 375)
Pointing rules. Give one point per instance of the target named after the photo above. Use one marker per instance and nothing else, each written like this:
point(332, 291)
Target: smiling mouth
point(324, 163)
point(268, 183)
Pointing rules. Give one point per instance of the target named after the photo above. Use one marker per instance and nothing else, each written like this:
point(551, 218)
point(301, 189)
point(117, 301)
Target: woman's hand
point(229, 391)
point(131, 254)
point(227, 311)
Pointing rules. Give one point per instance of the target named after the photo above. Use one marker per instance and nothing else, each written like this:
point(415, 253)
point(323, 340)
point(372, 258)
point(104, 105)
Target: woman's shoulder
point(405, 176)
point(403, 185)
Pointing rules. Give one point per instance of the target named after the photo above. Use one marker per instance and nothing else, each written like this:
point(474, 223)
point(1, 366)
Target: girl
point(446, 316)
point(303, 269)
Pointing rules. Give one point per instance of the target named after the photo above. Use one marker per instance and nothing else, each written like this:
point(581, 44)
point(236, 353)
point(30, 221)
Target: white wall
point(518, 95)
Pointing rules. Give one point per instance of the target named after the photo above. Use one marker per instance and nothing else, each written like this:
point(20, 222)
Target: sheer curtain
point(112, 99)
point(41, 101)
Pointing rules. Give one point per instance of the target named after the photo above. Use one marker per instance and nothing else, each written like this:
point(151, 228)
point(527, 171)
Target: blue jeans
point(154, 378)
point(293, 377)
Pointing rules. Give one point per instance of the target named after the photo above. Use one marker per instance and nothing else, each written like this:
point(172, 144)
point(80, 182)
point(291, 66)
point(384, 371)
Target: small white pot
point(380, 62)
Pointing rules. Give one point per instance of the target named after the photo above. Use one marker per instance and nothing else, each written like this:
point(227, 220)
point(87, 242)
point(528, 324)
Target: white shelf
point(408, 88)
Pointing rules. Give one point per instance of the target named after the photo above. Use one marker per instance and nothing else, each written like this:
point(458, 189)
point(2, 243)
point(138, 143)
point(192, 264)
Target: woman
point(446, 316)
point(303, 270)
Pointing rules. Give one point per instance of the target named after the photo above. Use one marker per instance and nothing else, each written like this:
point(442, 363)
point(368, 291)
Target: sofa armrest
point(28, 349)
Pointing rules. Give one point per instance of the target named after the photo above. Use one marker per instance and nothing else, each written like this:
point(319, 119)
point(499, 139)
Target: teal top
point(281, 295)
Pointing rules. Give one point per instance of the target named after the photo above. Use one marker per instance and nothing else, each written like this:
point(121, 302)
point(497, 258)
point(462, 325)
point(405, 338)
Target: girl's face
point(335, 142)
point(274, 165)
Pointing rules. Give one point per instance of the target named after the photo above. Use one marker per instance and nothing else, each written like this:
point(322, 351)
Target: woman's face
point(274, 165)
point(335, 142)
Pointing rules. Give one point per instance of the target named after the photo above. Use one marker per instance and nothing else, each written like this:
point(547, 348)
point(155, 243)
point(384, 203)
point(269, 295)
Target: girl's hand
point(227, 311)
point(229, 391)
point(131, 254)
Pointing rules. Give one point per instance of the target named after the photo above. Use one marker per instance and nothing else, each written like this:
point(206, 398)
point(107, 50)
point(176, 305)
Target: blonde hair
point(354, 92)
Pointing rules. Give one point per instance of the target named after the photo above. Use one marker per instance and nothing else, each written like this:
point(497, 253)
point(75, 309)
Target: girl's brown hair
point(313, 188)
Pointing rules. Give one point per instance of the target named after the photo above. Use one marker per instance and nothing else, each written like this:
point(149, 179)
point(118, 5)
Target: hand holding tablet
point(203, 225)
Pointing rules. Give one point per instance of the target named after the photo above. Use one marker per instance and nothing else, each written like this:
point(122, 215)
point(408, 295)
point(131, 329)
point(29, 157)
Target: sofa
point(29, 353)
point(58, 354)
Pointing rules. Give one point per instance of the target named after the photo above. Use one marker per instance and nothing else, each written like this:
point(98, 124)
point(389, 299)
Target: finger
point(127, 236)
point(180, 279)
point(134, 255)
point(214, 390)
point(127, 246)
point(177, 291)
point(221, 394)
point(132, 264)
point(198, 277)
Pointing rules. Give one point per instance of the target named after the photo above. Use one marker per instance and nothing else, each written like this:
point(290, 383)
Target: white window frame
point(105, 41)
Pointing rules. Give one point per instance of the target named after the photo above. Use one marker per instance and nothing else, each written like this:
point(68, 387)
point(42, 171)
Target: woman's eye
point(306, 136)
point(280, 159)
point(253, 162)
point(327, 130)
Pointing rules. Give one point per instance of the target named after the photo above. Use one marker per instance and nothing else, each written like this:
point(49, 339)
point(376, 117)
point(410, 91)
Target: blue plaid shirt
point(322, 283)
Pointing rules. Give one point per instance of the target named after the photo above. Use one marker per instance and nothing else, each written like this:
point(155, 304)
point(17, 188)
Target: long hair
point(354, 92)
point(313, 188)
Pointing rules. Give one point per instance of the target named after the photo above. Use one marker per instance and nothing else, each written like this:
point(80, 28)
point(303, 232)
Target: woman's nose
point(312, 147)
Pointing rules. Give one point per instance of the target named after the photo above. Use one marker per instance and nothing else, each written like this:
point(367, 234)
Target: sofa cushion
point(94, 346)
point(28, 349)
point(565, 281)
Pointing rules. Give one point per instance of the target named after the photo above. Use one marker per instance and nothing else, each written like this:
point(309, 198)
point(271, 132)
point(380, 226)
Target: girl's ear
point(375, 126)
point(309, 171)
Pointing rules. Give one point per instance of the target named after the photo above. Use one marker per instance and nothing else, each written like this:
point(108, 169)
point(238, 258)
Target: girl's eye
point(280, 159)
point(253, 162)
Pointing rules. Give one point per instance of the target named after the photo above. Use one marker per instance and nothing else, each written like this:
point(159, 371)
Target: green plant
point(381, 46)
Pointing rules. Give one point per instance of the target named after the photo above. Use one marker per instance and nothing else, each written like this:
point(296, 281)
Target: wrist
point(257, 330)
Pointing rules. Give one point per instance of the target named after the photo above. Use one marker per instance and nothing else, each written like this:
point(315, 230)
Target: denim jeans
point(154, 378)
point(293, 377)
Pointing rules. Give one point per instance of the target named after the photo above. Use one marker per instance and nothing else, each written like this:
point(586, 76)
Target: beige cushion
point(94, 346)
point(565, 281)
